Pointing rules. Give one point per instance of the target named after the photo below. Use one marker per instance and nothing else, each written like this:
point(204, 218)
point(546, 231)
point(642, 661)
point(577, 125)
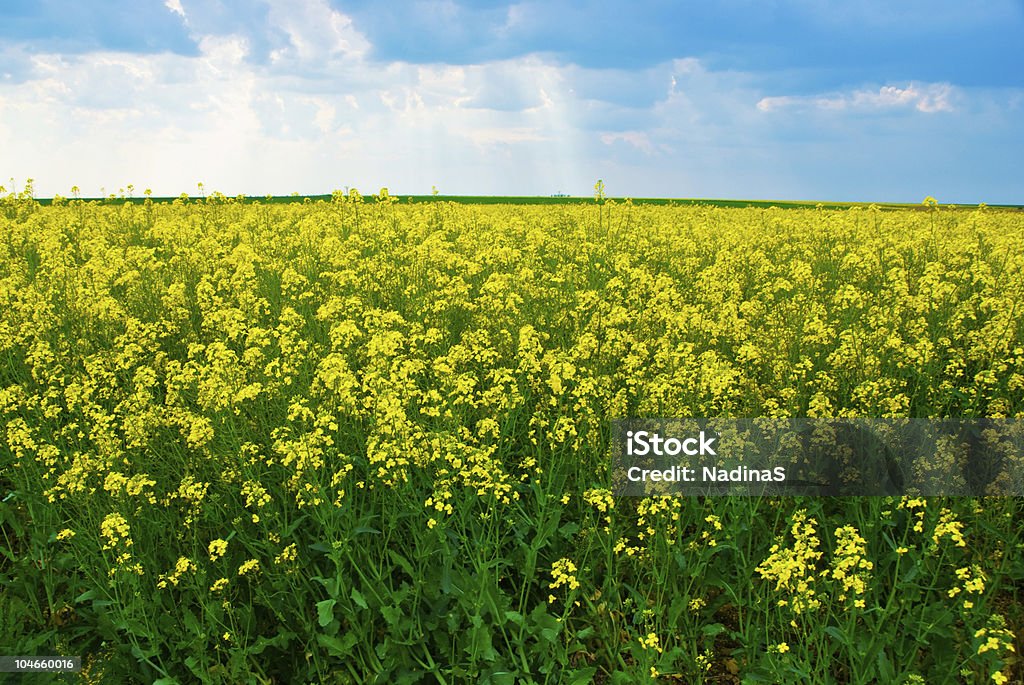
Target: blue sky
point(801, 99)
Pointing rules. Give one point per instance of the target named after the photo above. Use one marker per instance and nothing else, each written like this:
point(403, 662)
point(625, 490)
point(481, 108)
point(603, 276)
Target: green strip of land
point(551, 200)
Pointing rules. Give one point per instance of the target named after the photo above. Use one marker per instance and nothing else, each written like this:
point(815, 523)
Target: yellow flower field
point(355, 442)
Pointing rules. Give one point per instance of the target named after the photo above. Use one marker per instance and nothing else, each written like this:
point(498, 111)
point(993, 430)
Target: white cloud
point(175, 6)
point(325, 113)
point(315, 31)
point(637, 139)
point(927, 97)
point(165, 121)
point(515, 16)
point(223, 54)
point(488, 137)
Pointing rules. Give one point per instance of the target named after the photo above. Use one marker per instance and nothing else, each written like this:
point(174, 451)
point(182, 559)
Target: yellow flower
point(651, 642)
point(948, 527)
point(115, 529)
point(562, 574)
point(251, 565)
point(217, 549)
point(289, 553)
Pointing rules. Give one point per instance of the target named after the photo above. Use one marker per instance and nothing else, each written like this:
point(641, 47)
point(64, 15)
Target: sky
point(874, 101)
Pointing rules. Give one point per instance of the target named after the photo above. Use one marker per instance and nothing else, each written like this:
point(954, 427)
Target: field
point(344, 442)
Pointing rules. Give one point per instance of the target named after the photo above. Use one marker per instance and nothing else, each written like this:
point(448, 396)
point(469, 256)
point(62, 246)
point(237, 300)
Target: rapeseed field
point(359, 441)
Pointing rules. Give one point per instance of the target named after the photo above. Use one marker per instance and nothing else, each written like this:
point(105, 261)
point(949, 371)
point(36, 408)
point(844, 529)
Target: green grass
point(546, 200)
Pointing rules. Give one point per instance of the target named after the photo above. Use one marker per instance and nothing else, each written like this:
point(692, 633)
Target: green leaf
point(280, 641)
point(839, 635)
point(325, 611)
point(391, 614)
point(86, 596)
point(294, 524)
point(582, 676)
point(191, 623)
point(402, 562)
point(712, 629)
point(446, 580)
point(480, 637)
point(141, 654)
point(547, 625)
point(503, 678)
point(569, 529)
point(885, 669)
point(194, 665)
point(330, 584)
point(339, 647)
point(358, 598)
point(801, 673)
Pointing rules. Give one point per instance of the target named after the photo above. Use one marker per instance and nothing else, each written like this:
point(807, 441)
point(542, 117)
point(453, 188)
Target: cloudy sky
point(878, 100)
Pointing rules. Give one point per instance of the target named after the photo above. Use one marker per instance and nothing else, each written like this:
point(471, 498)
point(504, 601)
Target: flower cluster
point(563, 575)
point(181, 567)
point(794, 569)
point(851, 570)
